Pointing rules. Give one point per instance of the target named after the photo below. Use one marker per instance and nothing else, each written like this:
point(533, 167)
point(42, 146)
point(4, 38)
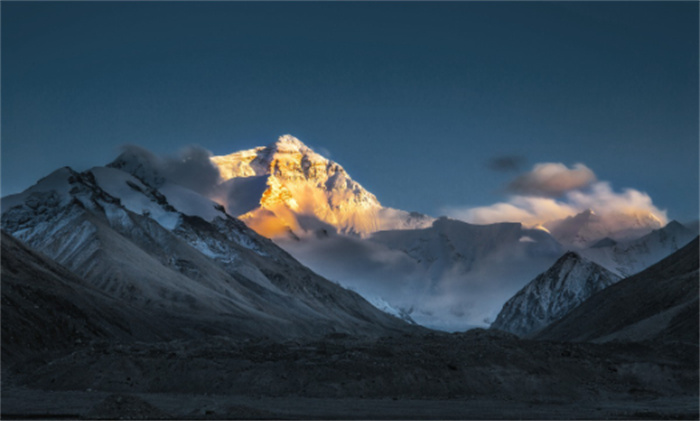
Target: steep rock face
point(659, 304)
point(553, 294)
point(192, 262)
point(302, 191)
point(626, 258)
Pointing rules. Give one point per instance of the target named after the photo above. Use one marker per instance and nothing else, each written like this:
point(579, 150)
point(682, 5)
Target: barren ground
point(473, 375)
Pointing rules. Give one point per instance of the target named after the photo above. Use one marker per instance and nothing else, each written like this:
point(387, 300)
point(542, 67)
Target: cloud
point(582, 211)
point(190, 168)
point(193, 169)
point(506, 163)
point(141, 163)
point(530, 211)
point(324, 152)
point(601, 196)
point(451, 297)
point(551, 179)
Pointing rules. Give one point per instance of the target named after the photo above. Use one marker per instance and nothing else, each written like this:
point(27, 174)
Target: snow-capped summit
point(586, 228)
point(297, 186)
point(626, 258)
point(553, 294)
point(55, 187)
point(288, 143)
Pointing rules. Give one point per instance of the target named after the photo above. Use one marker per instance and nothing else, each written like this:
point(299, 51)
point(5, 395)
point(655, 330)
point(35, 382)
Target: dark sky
point(426, 104)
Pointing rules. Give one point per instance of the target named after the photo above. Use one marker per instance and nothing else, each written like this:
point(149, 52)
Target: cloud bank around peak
point(551, 192)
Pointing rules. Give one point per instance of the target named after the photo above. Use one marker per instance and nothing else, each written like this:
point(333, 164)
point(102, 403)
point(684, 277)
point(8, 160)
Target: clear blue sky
point(413, 99)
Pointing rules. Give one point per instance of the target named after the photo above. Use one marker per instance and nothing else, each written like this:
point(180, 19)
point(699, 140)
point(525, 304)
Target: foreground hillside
point(45, 307)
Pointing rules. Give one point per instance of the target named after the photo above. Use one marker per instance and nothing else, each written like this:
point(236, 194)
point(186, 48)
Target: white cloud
point(530, 211)
point(615, 214)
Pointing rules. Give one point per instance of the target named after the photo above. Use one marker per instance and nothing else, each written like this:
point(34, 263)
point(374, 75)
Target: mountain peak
point(553, 294)
point(290, 143)
point(586, 228)
point(300, 182)
point(296, 181)
point(53, 188)
point(568, 261)
point(674, 226)
point(569, 255)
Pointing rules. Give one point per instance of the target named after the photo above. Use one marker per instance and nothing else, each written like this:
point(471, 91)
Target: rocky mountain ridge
point(553, 294)
point(659, 304)
point(193, 261)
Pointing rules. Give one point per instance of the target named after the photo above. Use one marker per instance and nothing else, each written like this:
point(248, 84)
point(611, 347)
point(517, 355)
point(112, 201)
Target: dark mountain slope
point(659, 303)
point(45, 307)
point(553, 294)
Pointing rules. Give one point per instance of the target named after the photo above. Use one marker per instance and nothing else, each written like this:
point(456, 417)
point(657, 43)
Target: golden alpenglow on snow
point(298, 190)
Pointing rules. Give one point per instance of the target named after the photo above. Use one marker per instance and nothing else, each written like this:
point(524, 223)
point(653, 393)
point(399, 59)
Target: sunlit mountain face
point(287, 188)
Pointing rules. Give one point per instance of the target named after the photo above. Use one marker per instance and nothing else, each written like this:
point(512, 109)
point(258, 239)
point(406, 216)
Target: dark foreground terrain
point(474, 375)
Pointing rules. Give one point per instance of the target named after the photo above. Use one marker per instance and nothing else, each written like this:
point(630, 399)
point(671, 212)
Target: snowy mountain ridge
point(587, 228)
point(553, 294)
point(625, 258)
point(192, 264)
point(452, 274)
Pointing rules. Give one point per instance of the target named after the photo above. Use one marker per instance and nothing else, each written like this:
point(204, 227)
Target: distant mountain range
point(451, 275)
point(626, 258)
point(587, 228)
point(136, 283)
point(191, 243)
